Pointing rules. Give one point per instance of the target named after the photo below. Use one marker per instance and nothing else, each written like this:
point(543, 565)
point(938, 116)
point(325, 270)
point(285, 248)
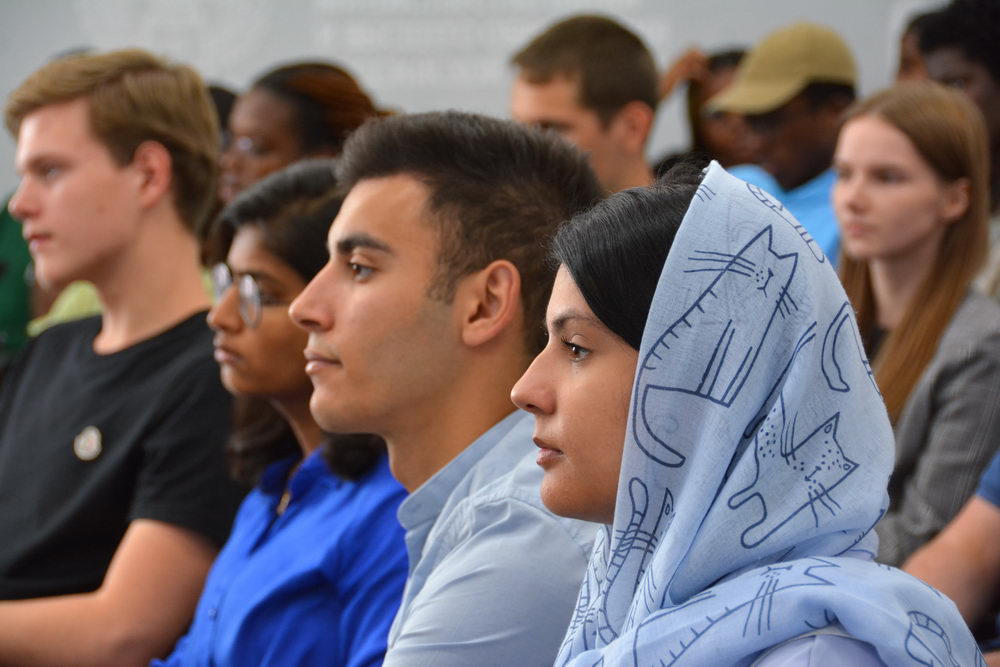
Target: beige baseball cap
point(782, 65)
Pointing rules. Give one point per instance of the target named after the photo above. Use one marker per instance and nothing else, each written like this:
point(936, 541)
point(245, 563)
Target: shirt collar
point(275, 477)
point(426, 502)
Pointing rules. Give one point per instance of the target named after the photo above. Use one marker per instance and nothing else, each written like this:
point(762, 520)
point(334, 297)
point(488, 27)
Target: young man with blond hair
point(113, 492)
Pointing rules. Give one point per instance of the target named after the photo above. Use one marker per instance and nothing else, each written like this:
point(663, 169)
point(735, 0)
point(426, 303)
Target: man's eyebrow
point(349, 243)
point(564, 318)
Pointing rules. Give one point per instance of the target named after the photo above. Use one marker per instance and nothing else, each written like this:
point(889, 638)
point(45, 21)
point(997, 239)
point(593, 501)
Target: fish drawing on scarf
point(726, 351)
point(791, 477)
point(779, 209)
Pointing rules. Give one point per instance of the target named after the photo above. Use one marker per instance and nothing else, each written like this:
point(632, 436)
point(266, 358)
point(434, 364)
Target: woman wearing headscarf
point(704, 394)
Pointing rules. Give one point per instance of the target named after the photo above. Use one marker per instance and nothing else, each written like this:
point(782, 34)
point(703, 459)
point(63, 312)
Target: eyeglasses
point(251, 302)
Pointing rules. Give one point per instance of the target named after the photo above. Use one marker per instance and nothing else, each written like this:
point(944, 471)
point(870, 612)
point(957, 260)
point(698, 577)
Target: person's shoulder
point(756, 175)
point(375, 492)
point(822, 650)
point(54, 350)
point(514, 497)
point(974, 328)
point(69, 332)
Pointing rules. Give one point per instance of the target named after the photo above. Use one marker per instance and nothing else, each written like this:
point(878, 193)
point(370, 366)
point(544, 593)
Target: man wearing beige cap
point(793, 88)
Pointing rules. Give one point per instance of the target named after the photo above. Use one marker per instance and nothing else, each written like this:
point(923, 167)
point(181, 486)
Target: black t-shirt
point(89, 442)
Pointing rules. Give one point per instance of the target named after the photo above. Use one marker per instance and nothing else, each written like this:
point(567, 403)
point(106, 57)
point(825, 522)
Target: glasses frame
point(250, 301)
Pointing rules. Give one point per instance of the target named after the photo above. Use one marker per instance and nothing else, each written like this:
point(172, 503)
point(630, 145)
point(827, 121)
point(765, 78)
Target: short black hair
point(292, 209)
point(971, 27)
point(613, 65)
point(615, 252)
point(498, 190)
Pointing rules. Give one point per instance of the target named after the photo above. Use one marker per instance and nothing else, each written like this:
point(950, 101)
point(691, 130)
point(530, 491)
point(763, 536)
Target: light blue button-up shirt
point(810, 203)
point(493, 574)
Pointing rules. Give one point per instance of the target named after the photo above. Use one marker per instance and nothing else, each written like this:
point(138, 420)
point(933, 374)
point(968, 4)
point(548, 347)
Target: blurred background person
point(79, 299)
point(292, 112)
point(114, 497)
point(911, 62)
point(594, 82)
point(793, 89)
point(715, 135)
point(960, 49)
point(314, 568)
point(912, 198)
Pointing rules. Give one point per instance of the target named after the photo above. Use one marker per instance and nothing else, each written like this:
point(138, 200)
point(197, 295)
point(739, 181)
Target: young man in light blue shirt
point(430, 309)
point(793, 89)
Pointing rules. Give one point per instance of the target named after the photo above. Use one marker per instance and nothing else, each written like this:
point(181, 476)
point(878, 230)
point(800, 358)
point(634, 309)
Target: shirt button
point(213, 612)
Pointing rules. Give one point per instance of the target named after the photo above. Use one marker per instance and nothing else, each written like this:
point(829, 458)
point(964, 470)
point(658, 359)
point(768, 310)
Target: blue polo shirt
point(318, 584)
point(810, 203)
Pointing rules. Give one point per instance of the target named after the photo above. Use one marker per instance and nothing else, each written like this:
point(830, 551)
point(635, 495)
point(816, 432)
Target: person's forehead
point(392, 210)
point(63, 127)
point(259, 107)
point(558, 97)
point(949, 59)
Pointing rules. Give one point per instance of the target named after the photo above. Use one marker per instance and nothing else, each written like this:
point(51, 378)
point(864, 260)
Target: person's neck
point(895, 283)
point(152, 285)
point(440, 428)
point(295, 410)
point(635, 174)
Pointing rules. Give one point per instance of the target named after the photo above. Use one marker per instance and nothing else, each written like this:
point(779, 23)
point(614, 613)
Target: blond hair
point(135, 97)
point(949, 133)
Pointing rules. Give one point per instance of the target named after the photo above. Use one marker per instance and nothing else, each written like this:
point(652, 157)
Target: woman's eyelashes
point(576, 351)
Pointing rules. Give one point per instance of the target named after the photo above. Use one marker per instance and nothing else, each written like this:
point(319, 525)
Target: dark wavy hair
point(615, 251)
point(293, 209)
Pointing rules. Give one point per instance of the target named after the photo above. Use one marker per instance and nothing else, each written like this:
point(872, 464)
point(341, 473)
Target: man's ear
point(632, 126)
point(154, 169)
point(490, 302)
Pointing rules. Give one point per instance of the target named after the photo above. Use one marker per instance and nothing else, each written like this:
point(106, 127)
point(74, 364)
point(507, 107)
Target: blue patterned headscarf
point(755, 465)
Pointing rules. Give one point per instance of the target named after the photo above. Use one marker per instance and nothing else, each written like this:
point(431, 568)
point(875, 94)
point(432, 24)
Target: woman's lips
point(547, 454)
point(224, 355)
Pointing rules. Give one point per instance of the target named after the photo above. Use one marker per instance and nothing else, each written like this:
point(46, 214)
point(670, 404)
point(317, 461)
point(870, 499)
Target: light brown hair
point(611, 64)
point(949, 133)
point(135, 97)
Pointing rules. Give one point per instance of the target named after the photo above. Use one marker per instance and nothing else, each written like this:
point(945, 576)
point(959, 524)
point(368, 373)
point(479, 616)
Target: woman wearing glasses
point(314, 568)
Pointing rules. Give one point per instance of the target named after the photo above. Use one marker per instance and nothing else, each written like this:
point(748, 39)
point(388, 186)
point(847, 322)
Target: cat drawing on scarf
point(724, 331)
point(791, 477)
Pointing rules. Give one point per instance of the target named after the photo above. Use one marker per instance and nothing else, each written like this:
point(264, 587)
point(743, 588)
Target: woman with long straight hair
point(912, 201)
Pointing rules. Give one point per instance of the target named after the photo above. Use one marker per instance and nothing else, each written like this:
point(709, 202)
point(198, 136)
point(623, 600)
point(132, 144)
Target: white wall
point(416, 55)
